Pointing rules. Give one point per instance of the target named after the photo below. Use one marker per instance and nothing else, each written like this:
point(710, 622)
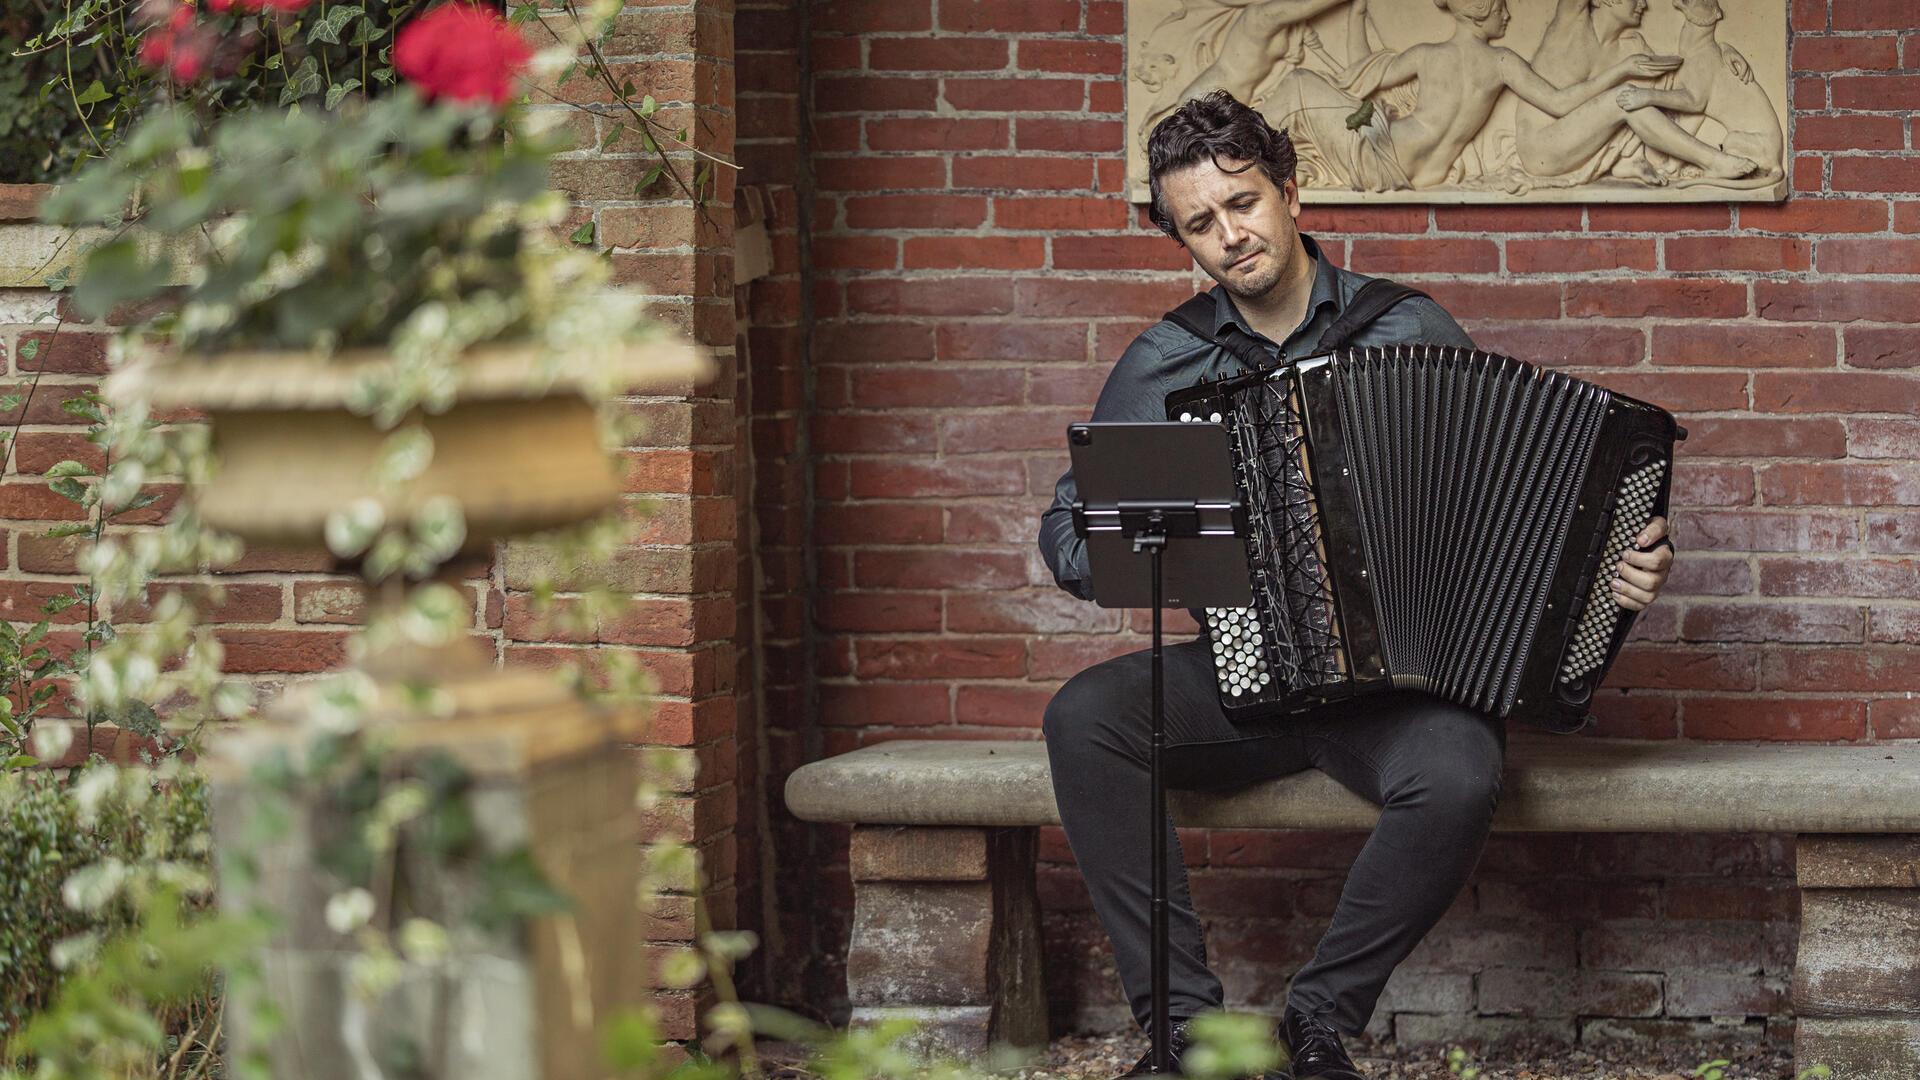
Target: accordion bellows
point(1431, 518)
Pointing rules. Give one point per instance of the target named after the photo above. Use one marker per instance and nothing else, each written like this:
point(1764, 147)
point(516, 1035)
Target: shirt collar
point(1326, 290)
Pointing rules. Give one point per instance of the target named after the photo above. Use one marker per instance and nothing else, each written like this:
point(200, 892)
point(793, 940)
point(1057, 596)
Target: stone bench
point(946, 917)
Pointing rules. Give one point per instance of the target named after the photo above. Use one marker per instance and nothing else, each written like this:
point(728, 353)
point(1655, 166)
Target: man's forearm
point(1064, 552)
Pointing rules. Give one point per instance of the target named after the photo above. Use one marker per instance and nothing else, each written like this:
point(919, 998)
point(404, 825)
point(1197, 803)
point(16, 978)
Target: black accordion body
point(1432, 518)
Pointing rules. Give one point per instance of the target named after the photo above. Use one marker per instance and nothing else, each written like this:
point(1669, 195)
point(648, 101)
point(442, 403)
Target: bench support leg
point(946, 931)
point(1856, 983)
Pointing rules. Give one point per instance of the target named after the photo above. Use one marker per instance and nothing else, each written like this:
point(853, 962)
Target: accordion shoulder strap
point(1195, 314)
point(1373, 300)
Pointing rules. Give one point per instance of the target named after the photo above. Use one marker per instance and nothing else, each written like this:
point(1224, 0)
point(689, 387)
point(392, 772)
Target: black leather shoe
point(1177, 1043)
point(1315, 1050)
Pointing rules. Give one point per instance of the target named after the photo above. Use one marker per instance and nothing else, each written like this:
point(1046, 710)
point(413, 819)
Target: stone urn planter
point(520, 449)
point(521, 452)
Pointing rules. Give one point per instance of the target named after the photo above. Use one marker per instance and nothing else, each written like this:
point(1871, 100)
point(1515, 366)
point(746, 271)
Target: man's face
point(1239, 227)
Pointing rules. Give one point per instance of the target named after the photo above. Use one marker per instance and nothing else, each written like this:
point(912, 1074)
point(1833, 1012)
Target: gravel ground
point(1099, 1057)
point(1104, 1056)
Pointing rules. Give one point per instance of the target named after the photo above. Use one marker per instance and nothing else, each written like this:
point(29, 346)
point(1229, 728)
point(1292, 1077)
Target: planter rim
point(301, 379)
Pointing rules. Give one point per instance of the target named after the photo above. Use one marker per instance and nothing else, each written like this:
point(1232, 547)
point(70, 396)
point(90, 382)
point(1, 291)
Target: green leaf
point(340, 90)
point(22, 761)
point(328, 28)
point(83, 409)
point(30, 349)
point(69, 468)
point(66, 529)
point(306, 80)
point(69, 489)
point(583, 234)
point(93, 93)
point(632, 1042)
point(116, 272)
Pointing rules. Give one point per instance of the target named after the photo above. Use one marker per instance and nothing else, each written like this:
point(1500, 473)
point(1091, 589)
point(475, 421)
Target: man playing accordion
point(1223, 187)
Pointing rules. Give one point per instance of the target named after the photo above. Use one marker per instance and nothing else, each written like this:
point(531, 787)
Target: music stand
point(1142, 485)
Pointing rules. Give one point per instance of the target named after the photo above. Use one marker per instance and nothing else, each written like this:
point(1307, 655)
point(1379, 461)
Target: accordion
point(1432, 518)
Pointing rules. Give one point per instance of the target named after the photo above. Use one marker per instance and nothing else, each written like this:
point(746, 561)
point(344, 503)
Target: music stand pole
point(1146, 483)
point(1155, 540)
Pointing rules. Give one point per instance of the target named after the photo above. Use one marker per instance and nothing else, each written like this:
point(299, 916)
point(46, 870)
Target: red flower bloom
point(179, 46)
point(461, 52)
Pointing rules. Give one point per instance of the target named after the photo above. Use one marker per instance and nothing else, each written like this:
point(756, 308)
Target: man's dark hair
point(1212, 127)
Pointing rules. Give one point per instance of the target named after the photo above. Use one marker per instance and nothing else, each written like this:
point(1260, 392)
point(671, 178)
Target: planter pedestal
point(546, 772)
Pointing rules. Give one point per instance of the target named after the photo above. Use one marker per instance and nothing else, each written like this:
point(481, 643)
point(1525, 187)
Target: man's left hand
point(1640, 574)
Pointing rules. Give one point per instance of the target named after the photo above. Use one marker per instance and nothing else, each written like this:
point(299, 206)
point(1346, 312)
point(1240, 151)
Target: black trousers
point(1433, 767)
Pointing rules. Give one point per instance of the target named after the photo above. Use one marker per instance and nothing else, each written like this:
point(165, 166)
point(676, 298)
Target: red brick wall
point(974, 270)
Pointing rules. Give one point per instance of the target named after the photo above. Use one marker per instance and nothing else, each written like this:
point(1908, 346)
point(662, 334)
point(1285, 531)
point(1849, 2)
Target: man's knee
point(1090, 705)
point(1458, 764)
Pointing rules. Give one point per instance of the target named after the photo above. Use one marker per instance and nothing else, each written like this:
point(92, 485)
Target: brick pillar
point(1856, 983)
point(682, 567)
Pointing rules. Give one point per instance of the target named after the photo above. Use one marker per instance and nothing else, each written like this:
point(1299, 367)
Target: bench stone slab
point(1553, 784)
point(946, 924)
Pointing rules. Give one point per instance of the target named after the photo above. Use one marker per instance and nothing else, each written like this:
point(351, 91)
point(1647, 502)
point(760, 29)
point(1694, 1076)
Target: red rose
point(178, 45)
point(461, 52)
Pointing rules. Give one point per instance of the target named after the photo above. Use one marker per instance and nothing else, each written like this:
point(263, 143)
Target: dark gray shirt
point(1166, 358)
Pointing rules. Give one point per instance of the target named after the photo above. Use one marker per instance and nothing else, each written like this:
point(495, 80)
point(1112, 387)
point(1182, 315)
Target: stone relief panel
point(1452, 101)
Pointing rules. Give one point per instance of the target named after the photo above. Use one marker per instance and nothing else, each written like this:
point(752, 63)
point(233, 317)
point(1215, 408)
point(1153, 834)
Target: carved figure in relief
point(1716, 83)
point(1366, 117)
point(1602, 137)
point(1460, 81)
point(1238, 45)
